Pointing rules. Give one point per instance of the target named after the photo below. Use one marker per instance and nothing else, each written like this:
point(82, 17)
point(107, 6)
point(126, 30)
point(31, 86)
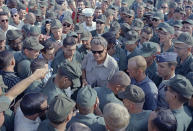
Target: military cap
point(114, 7)
point(115, 27)
point(150, 7)
point(166, 28)
point(181, 85)
point(51, 15)
point(123, 9)
point(88, 12)
point(59, 109)
point(125, 27)
point(166, 57)
point(86, 35)
point(158, 15)
point(55, 24)
point(67, 20)
point(26, 28)
point(177, 23)
point(13, 34)
point(52, 2)
point(124, 2)
point(21, 6)
point(13, 11)
point(38, 12)
point(133, 93)
point(148, 49)
point(86, 97)
point(179, 10)
point(43, 4)
point(109, 12)
point(188, 21)
point(178, 1)
point(173, 5)
point(101, 18)
point(72, 34)
point(185, 38)
point(32, 43)
point(137, 24)
point(4, 103)
point(35, 30)
point(60, 2)
point(130, 12)
point(78, 28)
point(2, 36)
point(131, 37)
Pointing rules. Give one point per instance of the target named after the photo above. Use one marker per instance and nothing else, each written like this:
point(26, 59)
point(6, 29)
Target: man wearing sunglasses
point(16, 22)
point(98, 67)
point(67, 25)
point(4, 23)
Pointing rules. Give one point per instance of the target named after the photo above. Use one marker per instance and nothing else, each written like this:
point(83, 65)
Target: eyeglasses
point(164, 7)
point(99, 23)
point(6, 20)
point(154, 19)
point(98, 52)
point(66, 25)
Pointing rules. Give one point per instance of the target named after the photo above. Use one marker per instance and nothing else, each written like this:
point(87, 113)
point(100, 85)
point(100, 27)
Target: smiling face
point(99, 52)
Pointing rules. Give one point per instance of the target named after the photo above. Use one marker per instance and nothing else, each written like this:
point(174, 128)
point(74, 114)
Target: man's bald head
point(139, 62)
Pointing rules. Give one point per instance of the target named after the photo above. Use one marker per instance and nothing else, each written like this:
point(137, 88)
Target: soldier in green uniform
point(133, 99)
point(61, 83)
point(68, 25)
point(87, 102)
point(86, 38)
point(178, 92)
point(59, 113)
point(100, 26)
point(116, 51)
point(182, 47)
point(30, 51)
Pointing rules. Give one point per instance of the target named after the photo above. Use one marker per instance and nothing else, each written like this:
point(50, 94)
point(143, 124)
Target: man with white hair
point(116, 117)
point(89, 24)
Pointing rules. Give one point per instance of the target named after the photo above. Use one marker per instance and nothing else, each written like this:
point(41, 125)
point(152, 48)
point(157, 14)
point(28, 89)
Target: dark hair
point(165, 120)
point(48, 45)
point(148, 30)
point(31, 103)
point(37, 63)
point(98, 8)
point(109, 37)
point(3, 13)
point(69, 41)
point(5, 59)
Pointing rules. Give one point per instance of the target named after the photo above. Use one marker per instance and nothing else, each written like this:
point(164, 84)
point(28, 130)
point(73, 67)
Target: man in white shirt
point(88, 24)
point(16, 22)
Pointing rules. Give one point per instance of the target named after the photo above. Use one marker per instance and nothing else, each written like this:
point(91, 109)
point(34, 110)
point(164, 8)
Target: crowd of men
point(96, 65)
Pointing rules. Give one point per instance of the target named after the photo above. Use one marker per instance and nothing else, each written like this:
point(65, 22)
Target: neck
point(169, 76)
point(140, 77)
point(175, 106)
point(167, 45)
point(60, 127)
point(9, 69)
point(136, 110)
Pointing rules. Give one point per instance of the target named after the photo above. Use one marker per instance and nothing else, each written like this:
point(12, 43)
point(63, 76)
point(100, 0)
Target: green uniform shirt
point(183, 117)
point(46, 126)
point(95, 123)
point(139, 121)
point(83, 51)
point(8, 124)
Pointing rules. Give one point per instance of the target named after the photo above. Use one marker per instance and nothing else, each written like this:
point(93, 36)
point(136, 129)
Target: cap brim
point(39, 47)
point(100, 20)
point(177, 41)
point(85, 38)
point(130, 42)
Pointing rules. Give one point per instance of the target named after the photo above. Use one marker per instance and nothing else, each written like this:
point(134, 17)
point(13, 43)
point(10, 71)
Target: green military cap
point(101, 18)
point(59, 109)
point(32, 3)
point(177, 23)
point(86, 97)
point(124, 2)
point(4, 103)
point(114, 27)
point(188, 21)
point(72, 34)
point(133, 93)
point(181, 85)
point(21, 6)
point(158, 15)
point(185, 38)
point(35, 30)
point(50, 15)
point(148, 49)
point(179, 10)
point(13, 34)
point(137, 24)
point(173, 5)
point(125, 27)
point(2, 36)
point(55, 24)
point(148, 6)
point(86, 35)
point(113, 7)
point(32, 43)
point(43, 4)
point(109, 12)
point(130, 12)
point(38, 12)
point(166, 28)
point(124, 10)
point(78, 28)
point(68, 20)
point(52, 2)
point(131, 37)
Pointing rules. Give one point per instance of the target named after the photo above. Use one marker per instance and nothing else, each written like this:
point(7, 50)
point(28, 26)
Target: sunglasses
point(163, 7)
point(66, 25)
point(154, 19)
point(6, 20)
point(99, 23)
point(97, 52)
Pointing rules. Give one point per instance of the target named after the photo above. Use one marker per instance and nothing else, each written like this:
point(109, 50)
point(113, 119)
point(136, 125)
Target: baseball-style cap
point(185, 38)
point(148, 49)
point(166, 57)
point(13, 34)
point(32, 43)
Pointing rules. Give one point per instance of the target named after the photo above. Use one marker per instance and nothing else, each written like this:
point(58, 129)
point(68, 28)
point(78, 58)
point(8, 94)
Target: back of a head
point(116, 116)
point(76, 126)
point(109, 37)
point(69, 41)
point(5, 59)
point(31, 103)
point(99, 41)
point(38, 63)
point(139, 61)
